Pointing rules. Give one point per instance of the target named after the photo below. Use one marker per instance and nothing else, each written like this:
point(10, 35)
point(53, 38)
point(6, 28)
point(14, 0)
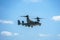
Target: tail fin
point(22, 22)
point(19, 22)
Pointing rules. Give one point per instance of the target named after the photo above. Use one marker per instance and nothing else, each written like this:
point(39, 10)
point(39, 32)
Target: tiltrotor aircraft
point(29, 22)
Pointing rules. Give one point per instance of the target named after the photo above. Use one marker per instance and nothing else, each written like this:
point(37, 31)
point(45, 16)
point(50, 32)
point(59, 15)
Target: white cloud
point(16, 34)
point(56, 18)
point(7, 33)
point(33, 1)
point(58, 35)
point(44, 35)
point(6, 22)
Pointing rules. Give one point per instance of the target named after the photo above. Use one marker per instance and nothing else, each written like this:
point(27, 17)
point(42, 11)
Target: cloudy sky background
point(11, 10)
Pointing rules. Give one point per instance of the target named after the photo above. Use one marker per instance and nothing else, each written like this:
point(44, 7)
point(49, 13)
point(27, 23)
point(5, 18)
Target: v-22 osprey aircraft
point(29, 22)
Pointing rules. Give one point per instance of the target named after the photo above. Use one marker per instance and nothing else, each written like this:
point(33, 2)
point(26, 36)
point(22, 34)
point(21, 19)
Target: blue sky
point(11, 10)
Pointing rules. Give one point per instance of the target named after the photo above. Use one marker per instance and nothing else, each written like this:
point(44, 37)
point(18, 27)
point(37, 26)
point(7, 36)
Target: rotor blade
point(25, 16)
point(38, 18)
point(22, 16)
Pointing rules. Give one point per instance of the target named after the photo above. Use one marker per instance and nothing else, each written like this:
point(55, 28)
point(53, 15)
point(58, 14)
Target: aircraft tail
point(22, 22)
point(19, 22)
